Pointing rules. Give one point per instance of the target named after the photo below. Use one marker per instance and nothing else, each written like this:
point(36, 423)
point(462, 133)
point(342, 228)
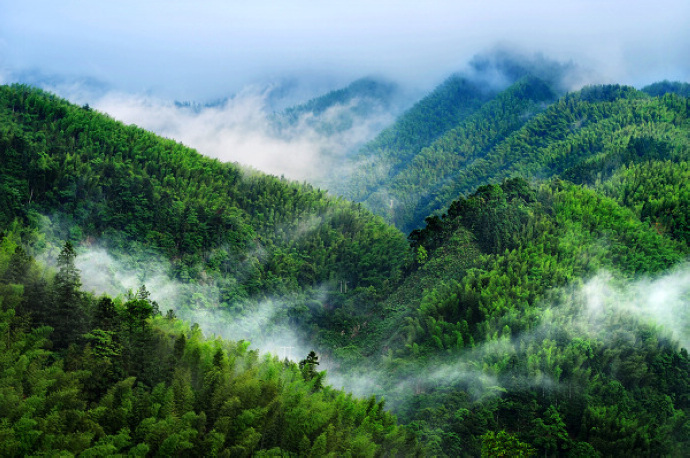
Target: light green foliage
point(157, 387)
point(254, 234)
point(504, 444)
point(485, 344)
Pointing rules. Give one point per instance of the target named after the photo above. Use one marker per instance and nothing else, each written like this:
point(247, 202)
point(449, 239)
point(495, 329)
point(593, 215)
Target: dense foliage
point(525, 317)
point(254, 234)
point(581, 133)
point(492, 332)
point(495, 331)
point(119, 378)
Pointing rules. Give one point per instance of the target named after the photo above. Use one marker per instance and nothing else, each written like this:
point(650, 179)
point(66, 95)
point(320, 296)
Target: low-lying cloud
point(595, 310)
point(263, 322)
point(598, 310)
point(242, 129)
point(663, 301)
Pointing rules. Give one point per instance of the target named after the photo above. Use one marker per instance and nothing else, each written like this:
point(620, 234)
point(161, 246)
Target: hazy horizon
point(205, 50)
point(133, 60)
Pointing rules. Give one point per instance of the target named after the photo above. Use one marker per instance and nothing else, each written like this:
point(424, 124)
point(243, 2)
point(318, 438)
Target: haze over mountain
point(133, 61)
point(512, 294)
point(202, 51)
point(487, 244)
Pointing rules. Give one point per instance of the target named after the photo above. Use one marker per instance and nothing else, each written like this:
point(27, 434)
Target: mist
point(249, 128)
point(601, 309)
point(501, 66)
point(243, 128)
point(237, 65)
point(662, 301)
point(264, 322)
point(201, 51)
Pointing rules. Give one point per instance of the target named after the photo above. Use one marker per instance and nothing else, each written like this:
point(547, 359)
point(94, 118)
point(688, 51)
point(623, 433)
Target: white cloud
point(240, 130)
point(186, 49)
point(663, 300)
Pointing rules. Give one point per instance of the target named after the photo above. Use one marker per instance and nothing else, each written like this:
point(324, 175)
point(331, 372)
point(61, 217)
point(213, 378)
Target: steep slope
point(251, 233)
point(132, 382)
point(418, 127)
point(337, 110)
point(405, 199)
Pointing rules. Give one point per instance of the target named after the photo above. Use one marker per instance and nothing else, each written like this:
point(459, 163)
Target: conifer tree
point(68, 319)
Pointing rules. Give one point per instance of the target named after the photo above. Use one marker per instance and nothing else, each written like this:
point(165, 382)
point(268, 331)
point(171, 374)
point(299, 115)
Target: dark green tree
point(69, 318)
point(308, 368)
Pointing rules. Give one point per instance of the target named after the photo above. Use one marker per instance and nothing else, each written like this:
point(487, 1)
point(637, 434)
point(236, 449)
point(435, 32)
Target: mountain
point(413, 193)
point(539, 306)
point(523, 131)
point(343, 120)
point(504, 276)
point(360, 98)
point(668, 87)
point(122, 184)
point(334, 125)
point(400, 173)
point(451, 102)
point(517, 271)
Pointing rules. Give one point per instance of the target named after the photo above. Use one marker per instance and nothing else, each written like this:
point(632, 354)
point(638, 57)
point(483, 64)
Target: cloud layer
point(201, 50)
point(241, 129)
point(132, 59)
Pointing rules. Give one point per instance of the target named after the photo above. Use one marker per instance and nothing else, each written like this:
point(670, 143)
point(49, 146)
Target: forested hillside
point(408, 194)
point(509, 136)
point(428, 119)
point(495, 328)
point(524, 316)
point(118, 183)
point(122, 379)
point(539, 307)
point(336, 111)
point(96, 376)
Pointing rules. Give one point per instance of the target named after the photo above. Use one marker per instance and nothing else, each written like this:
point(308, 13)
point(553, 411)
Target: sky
point(133, 59)
point(201, 50)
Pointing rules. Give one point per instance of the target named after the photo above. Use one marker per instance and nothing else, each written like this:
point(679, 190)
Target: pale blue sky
point(206, 49)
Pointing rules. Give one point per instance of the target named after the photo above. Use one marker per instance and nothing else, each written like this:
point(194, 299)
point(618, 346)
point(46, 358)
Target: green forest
point(505, 274)
point(359, 99)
